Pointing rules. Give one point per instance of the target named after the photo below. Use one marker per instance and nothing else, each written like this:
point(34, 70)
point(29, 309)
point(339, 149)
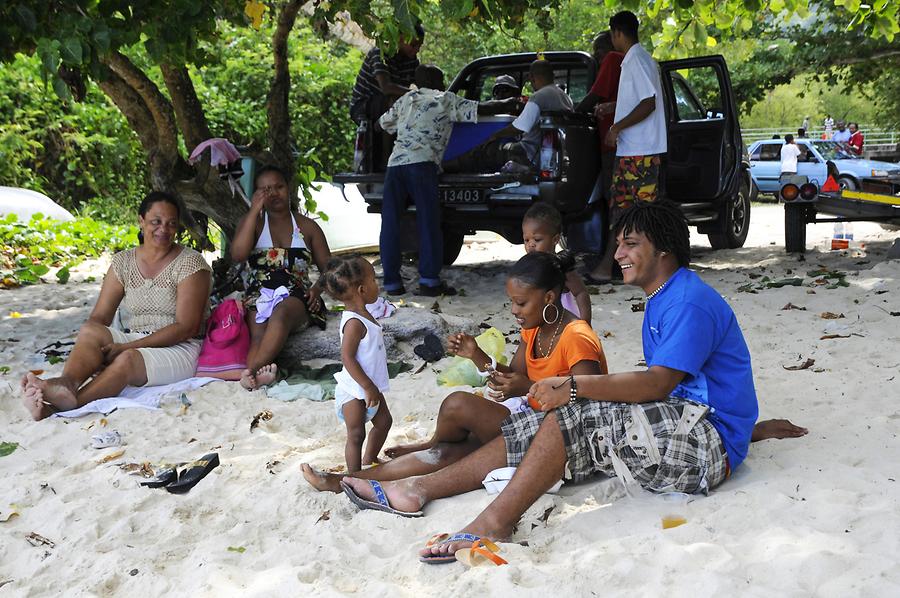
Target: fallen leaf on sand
point(608, 334)
point(792, 306)
point(110, 456)
point(143, 469)
point(436, 307)
point(238, 549)
point(325, 516)
point(829, 315)
point(831, 336)
point(39, 540)
point(638, 306)
point(104, 422)
point(543, 518)
point(336, 469)
point(8, 513)
point(263, 416)
point(270, 466)
point(806, 364)
point(6, 448)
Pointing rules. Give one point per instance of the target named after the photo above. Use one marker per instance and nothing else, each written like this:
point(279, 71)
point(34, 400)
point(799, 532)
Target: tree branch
point(132, 105)
point(157, 104)
point(279, 134)
point(188, 110)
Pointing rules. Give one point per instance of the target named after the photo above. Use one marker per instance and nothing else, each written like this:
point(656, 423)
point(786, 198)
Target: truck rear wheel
point(734, 220)
point(795, 228)
point(453, 242)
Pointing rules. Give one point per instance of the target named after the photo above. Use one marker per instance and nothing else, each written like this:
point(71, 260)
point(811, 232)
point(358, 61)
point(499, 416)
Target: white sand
point(814, 516)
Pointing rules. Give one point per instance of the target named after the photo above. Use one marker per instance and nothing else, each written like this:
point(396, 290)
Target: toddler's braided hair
point(663, 224)
point(342, 274)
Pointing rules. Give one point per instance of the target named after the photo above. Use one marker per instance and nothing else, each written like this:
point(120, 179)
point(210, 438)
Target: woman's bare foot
point(402, 495)
point(404, 449)
point(34, 402)
point(248, 380)
point(43, 397)
point(776, 428)
point(266, 374)
point(322, 480)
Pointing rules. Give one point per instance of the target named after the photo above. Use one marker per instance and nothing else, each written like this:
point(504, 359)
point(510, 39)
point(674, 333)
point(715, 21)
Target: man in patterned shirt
point(422, 120)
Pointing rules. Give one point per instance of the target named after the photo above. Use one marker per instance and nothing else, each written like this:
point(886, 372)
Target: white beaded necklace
point(656, 292)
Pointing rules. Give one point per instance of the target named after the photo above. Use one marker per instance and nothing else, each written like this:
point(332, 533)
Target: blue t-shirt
point(689, 327)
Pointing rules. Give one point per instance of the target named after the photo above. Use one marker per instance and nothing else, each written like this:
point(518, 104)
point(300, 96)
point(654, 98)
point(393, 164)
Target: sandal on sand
point(382, 503)
point(193, 473)
point(482, 552)
point(163, 478)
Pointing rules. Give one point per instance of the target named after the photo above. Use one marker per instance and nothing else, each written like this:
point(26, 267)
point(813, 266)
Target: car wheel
point(453, 242)
point(734, 221)
point(795, 216)
point(847, 183)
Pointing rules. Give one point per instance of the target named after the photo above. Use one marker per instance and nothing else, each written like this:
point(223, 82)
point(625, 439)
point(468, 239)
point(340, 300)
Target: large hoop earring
point(544, 313)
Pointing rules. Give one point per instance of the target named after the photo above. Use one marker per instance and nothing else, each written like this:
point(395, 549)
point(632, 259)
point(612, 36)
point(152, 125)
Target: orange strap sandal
point(482, 552)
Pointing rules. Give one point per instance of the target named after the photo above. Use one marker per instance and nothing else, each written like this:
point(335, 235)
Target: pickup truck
point(707, 170)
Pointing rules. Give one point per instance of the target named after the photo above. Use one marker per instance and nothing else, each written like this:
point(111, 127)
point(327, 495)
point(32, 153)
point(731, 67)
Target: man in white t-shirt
point(789, 154)
point(638, 131)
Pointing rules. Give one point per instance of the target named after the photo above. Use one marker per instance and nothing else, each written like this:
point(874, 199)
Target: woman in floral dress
point(279, 245)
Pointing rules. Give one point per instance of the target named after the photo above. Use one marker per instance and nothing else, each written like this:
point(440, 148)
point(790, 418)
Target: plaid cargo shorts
point(667, 446)
point(634, 178)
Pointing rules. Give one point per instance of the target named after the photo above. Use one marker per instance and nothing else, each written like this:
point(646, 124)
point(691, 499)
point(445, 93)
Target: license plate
point(461, 195)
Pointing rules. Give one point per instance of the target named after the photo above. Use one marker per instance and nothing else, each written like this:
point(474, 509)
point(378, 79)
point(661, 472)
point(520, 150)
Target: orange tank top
point(577, 342)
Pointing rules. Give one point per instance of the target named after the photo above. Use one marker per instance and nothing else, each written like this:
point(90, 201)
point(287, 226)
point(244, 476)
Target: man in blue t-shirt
point(681, 425)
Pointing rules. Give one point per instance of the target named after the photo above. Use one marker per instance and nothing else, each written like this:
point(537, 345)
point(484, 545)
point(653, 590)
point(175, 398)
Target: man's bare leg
point(465, 475)
point(542, 466)
point(412, 464)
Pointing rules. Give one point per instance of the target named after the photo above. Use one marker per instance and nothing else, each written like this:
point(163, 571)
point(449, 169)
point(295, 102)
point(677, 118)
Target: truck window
point(573, 80)
point(698, 93)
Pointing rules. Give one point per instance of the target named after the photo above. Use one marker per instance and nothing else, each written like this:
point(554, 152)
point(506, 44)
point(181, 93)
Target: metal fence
point(873, 135)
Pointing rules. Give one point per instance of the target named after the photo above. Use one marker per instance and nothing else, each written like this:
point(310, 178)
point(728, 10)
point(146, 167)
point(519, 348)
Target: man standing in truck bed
point(547, 97)
point(380, 82)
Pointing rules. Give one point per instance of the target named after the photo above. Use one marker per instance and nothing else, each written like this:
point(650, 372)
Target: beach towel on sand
point(144, 397)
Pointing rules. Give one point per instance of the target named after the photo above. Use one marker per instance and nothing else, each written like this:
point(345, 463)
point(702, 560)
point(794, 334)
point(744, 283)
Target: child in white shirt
point(363, 380)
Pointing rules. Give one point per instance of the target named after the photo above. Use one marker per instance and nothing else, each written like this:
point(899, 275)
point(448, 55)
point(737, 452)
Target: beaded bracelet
point(573, 390)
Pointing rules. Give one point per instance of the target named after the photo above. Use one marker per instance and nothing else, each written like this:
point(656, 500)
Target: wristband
point(489, 369)
point(573, 390)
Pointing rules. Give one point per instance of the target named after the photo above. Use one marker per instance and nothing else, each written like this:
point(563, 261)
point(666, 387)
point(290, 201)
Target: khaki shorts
point(164, 365)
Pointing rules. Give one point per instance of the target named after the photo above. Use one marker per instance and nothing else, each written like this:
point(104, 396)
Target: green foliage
point(83, 155)
point(29, 250)
point(233, 89)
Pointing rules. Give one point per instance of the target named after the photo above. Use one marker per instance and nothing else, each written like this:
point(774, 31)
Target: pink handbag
point(224, 350)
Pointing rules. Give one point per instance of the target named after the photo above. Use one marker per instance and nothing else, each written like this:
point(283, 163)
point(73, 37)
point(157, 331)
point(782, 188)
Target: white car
point(24, 203)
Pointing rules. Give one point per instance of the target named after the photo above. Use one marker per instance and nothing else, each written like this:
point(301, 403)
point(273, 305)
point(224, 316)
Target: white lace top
point(149, 304)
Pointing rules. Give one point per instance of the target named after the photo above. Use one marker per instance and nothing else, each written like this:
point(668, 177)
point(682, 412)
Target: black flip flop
point(163, 478)
point(193, 473)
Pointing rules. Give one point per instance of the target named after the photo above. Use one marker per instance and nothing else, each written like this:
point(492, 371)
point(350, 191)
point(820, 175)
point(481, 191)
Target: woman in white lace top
point(163, 290)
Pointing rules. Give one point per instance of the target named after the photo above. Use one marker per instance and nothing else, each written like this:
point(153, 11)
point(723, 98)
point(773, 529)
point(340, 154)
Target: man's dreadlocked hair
point(663, 223)
point(342, 274)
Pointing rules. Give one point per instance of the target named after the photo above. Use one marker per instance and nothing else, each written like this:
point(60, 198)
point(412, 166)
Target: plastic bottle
point(839, 238)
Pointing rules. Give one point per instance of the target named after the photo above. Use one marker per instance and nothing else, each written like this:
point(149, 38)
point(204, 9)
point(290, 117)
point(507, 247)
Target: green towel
point(322, 377)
